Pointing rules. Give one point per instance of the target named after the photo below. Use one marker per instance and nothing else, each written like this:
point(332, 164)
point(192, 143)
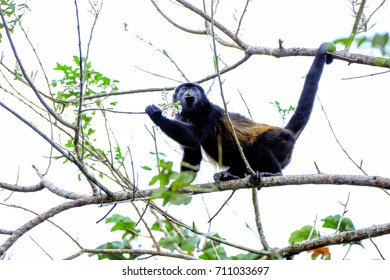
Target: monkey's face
point(188, 94)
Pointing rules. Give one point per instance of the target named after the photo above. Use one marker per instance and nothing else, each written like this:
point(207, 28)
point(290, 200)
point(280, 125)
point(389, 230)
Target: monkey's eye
point(183, 89)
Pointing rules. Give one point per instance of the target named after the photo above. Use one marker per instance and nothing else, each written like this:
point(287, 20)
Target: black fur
point(202, 124)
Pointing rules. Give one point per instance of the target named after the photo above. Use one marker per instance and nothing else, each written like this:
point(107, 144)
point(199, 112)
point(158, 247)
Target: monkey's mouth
point(189, 97)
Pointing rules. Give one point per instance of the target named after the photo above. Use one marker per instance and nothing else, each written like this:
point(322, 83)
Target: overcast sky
point(357, 110)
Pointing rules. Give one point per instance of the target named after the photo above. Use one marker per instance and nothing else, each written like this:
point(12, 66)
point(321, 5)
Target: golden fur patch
point(247, 130)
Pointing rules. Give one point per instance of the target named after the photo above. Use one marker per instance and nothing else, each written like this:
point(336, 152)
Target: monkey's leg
point(259, 175)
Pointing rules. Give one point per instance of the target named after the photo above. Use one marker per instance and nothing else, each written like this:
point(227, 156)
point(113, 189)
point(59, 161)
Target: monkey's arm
point(184, 133)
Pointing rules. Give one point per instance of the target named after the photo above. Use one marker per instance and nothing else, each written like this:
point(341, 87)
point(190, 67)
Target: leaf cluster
point(336, 222)
point(13, 13)
point(170, 183)
point(379, 41)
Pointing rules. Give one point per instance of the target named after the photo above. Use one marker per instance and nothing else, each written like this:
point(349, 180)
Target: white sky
point(357, 109)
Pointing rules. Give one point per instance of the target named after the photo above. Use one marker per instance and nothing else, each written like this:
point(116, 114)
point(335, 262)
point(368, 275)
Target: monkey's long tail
point(305, 104)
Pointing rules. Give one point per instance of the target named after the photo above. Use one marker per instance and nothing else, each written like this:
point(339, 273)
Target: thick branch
point(6, 231)
point(341, 55)
point(267, 182)
point(340, 238)
point(373, 181)
point(17, 188)
point(133, 252)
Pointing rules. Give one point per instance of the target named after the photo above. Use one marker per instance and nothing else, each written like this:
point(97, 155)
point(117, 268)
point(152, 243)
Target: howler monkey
point(202, 124)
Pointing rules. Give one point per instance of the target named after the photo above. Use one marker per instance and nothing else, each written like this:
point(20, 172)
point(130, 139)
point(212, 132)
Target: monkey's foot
point(224, 176)
point(257, 178)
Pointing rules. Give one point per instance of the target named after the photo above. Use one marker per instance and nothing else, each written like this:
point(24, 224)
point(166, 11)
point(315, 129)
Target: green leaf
point(248, 256)
point(190, 243)
point(115, 245)
point(118, 154)
point(342, 41)
point(154, 180)
point(146, 168)
point(216, 252)
point(303, 234)
point(124, 224)
point(169, 243)
point(183, 179)
point(169, 196)
point(69, 144)
point(333, 222)
point(380, 41)
point(361, 41)
point(165, 175)
point(167, 225)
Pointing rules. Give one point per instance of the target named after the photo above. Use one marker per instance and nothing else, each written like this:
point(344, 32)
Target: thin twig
point(376, 247)
point(148, 228)
point(218, 25)
point(79, 128)
point(27, 78)
point(373, 13)
point(67, 155)
point(164, 53)
point(242, 17)
point(220, 208)
point(259, 225)
point(198, 32)
point(344, 212)
point(108, 213)
point(337, 140)
point(238, 144)
point(355, 28)
point(313, 228)
point(40, 247)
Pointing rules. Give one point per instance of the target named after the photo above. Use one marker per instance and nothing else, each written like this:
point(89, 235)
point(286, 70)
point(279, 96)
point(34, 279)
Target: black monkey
point(202, 124)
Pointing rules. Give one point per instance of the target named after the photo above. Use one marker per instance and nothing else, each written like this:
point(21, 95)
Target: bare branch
point(31, 84)
point(68, 156)
point(259, 224)
point(16, 188)
point(198, 32)
point(376, 247)
point(343, 237)
point(6, 231)
point(355, 28)
point(133, 252)
point(221, 27)
point(359, 166)
point(266, 182)
point(242, 17)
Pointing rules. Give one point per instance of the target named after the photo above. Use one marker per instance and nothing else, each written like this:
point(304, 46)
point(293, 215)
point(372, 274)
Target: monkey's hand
point(154, 112)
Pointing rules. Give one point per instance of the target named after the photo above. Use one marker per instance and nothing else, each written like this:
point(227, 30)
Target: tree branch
point(221, 27)
point(27, 78)
point(266, 182)
point(373, 181)
point(340, 238)
point(133, 252)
